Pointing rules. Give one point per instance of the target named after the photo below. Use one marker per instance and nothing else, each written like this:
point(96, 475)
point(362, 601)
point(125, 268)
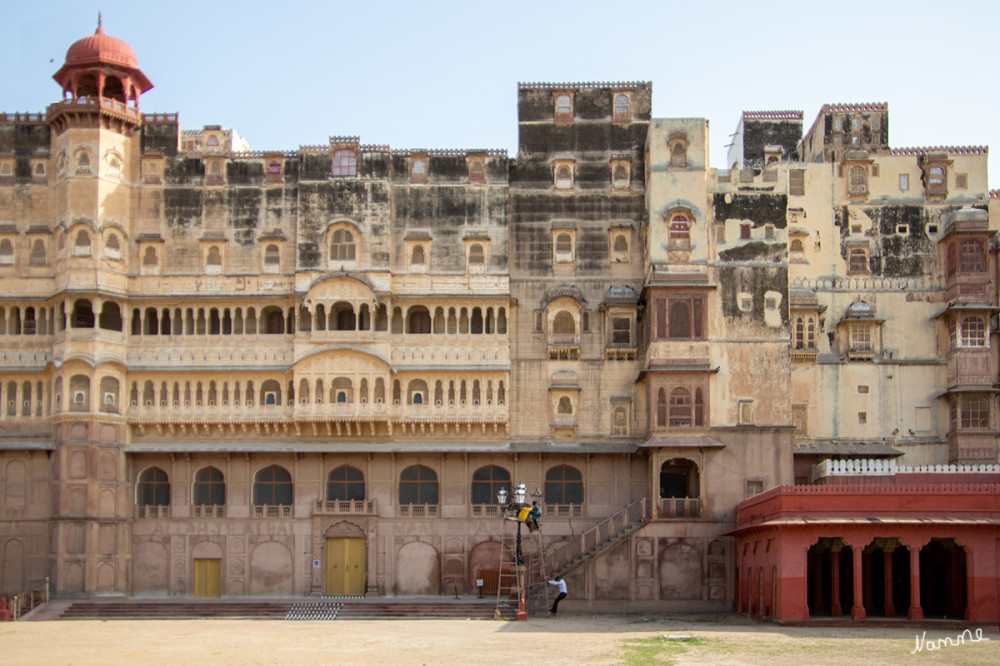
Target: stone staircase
point(609, 532)
point(327, 608)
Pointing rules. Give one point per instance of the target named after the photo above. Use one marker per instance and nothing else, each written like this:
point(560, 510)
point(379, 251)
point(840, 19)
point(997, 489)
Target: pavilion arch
point(323, 358)
point(679, 478)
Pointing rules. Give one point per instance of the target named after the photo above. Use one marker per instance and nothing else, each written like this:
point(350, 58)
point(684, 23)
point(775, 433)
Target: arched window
point(564, 176)
point(418, 320)
point(6, 252)
point(621, 107)
point(272, 256)
point(563, 485)
point(149, 257)
point(83, 314)
point(621, 243)
point(796, 246)
point(418, 485)
point(564, 246)
point(678, 155)
point(680, 233)
point(800, 333)
point(112, 247)
point(214, 256)
point(565, 405)
point(564, 105)
point(342, 246)
point(563, 323)
point(83, 162)
point(487, 482)
point(345, 483)
point(417, 257)
point(111, 317)
point(416, 392)
point(209, 487)
point(476, 254)
point(272, 486)
point(342, 390)
point(680, 409)
point(212, 141)
point(153, 488)
point(857, 262)
point(345, 163)
point(81, 246)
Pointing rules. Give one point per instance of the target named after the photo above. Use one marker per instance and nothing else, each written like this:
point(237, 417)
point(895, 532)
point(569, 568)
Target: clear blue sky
point(444, 74)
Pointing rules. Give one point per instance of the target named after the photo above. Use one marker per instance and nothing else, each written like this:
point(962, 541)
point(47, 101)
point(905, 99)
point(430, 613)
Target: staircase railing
point(601, 535)
point(22, 604)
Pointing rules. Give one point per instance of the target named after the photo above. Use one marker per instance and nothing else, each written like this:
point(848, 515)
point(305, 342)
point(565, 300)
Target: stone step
point(325, 609)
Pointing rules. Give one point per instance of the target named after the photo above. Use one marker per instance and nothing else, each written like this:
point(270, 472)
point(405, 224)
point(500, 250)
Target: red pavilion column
point(857, 607)
point(916, 611)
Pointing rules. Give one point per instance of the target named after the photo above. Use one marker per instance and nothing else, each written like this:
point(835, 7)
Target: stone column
point(890, 608)
point(835, 610)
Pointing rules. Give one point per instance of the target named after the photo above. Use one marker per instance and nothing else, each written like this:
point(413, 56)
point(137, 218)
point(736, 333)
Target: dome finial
point(99, 21)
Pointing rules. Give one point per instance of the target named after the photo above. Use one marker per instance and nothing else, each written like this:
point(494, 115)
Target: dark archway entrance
point(830, 576)
point(943, 579)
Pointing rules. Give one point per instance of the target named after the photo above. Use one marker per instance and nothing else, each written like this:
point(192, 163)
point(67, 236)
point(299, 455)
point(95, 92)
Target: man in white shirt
point(561, 584)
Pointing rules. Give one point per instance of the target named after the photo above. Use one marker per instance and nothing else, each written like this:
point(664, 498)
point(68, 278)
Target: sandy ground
point(567, 640)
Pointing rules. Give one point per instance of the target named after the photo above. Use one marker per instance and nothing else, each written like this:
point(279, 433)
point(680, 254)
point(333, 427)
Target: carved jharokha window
point(858, 183)
point(968, 332)
point(973, 257)
point(680, 408)
point(679, 318)
point(970, 412)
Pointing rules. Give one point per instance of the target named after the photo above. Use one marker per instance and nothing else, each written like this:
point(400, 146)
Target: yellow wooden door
point(345, 566)
point(207, 578)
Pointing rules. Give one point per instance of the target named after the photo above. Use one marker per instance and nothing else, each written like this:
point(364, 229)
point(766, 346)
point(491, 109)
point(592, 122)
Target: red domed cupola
point(101, 72)
point(102, 66)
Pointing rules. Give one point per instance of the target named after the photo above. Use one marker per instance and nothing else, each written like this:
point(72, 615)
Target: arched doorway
point(345, 560)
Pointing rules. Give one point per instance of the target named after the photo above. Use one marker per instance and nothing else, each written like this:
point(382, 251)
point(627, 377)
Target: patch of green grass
point(656, 650)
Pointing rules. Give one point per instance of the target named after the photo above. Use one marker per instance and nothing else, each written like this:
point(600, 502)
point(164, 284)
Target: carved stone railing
point(272, 511)
point(679, 507)
point(344, 508)
point(418, 510)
